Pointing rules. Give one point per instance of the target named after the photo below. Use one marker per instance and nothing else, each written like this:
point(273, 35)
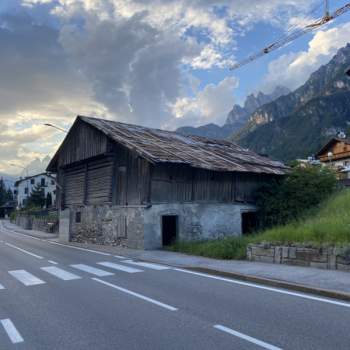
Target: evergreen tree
point(49, 200)
point(37, 197)
point(3, 192)
point(9, 195)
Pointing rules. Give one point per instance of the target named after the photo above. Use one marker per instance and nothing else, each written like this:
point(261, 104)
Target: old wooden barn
point(143, 187)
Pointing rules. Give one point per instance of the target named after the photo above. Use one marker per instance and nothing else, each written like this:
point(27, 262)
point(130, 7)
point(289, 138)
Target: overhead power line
point(284, 40)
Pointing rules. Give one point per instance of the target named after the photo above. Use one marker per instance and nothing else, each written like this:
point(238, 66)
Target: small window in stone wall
point(78, 217)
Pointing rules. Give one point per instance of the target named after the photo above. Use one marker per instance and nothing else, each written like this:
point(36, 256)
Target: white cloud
point(209, 105)
point(293, 69)
point(126, 59)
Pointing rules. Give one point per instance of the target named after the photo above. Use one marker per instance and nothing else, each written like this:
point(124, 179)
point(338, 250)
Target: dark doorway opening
point(169, 229)
point(249, 222)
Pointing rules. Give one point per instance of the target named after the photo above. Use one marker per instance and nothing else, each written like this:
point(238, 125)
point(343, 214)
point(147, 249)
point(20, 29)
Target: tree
point(9, 195)
point(48, 200)
point(3, 192)
point(291, 197)
point(37, 197)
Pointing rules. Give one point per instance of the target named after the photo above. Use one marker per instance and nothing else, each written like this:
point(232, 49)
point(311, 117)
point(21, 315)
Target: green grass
point(327, 225)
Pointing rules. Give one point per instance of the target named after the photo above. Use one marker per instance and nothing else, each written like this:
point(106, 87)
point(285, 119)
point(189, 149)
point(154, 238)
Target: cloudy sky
point(158, 63)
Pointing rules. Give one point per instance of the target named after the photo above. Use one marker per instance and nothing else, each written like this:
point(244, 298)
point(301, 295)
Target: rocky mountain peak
point(253, 102)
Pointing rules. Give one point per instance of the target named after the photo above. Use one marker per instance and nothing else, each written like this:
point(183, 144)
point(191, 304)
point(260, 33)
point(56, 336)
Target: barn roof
point(161, 146)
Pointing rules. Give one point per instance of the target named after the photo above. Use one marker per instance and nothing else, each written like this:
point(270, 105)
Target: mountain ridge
point(314, 100)
point(236, 118)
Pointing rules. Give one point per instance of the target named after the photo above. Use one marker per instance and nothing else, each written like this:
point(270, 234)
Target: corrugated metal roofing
point(160, 146)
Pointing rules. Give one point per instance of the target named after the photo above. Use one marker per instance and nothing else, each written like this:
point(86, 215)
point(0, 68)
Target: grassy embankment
point(327, 224)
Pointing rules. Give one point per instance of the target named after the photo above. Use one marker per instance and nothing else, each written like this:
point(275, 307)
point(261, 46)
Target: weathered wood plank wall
point(121, 177)
point(179, 183)
point(83, 142)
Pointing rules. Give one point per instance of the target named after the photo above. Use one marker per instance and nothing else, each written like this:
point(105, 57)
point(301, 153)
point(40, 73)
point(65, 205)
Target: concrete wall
point(140, 226)
point(332, 258)
point(196, 221)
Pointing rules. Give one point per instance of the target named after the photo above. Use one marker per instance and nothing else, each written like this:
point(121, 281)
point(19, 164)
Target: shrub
point(291, 197)
point(224, 248)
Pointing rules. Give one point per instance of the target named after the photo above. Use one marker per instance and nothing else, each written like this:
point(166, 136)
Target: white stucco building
point(24, 187)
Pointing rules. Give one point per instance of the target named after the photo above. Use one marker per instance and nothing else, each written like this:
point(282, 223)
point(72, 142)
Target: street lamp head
point(55, 127)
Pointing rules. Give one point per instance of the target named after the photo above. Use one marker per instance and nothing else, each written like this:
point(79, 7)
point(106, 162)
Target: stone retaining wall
point(332, 258)
point(43, 224)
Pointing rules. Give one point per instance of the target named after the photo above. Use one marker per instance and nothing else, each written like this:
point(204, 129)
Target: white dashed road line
point(119, 267)
point(24, 251)
point(92, 270)
point(271, 289)
point(137, 295)
point(119, 256)
point(26, 278)
point(60, 273)
point(53, 262)
point(11, 331)
point(146, 264)
point(2, 287)
point(246, 337)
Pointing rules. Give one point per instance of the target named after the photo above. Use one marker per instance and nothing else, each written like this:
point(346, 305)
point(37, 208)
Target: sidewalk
point(329, 283)
point(38, 234)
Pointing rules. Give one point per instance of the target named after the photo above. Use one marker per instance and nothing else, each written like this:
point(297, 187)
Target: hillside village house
point(142, 187)
point(336, 154)
point(24, 187)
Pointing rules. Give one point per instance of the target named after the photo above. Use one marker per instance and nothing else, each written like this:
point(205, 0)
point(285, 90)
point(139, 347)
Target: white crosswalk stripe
point(26, 278)
point(11, 331)
point(119, 267)
point(60, 273)
point(146, 264)
point(92, 270)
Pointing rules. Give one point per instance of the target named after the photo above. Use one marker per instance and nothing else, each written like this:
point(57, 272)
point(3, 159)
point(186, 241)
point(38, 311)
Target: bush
point(224, 248)
point(291, 197)
point(330, 225)
point(13, 215)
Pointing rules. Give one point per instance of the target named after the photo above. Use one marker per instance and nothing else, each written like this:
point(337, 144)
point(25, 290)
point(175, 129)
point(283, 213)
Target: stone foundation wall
point(333, 258)
point(112, 225)
point(140, 227)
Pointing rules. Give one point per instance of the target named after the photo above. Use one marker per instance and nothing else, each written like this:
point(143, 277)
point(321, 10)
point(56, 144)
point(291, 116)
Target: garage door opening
point(249, 222)
point(169, 229)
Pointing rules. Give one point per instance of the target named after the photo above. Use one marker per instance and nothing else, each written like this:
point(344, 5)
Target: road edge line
point(328, 293)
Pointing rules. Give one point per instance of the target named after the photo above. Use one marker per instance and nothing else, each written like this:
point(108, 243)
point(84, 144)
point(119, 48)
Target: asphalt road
point(59, 297)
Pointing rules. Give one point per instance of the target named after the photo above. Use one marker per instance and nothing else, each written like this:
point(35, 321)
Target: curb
point(328, 293)
point(275, 283)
